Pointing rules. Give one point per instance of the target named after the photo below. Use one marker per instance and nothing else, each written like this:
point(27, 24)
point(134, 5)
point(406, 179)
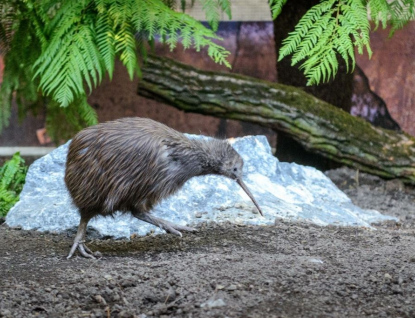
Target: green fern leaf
point(225, 6)
point(401, 13)
point(125, 45)
point(276, 7)
point(65, 48)
point(328, 31)
point(379, 12)
point(12, 178)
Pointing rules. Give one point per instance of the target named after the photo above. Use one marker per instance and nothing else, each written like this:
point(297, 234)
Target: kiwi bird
point(131, 164)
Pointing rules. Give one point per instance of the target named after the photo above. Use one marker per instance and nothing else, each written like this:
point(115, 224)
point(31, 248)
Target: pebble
point(213, 303)
point(99, 299)
point(388, 276)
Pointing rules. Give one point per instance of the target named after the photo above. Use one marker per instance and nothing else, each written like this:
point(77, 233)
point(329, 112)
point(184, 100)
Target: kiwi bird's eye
point(235, 169)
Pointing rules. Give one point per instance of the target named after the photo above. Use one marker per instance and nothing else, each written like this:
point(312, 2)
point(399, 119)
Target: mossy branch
point(317, 125)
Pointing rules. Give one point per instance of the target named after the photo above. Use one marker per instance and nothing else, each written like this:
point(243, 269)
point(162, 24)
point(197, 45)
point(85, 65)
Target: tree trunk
point(315, 124)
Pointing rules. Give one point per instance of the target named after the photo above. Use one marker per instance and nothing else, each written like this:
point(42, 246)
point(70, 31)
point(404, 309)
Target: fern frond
point(71, 119)
point(379, 12)
point(211, 8)
point(402, 11)
point(7, 24)
point(225, 6)
point(328, 31)
point(125, 46)
point(316, 37)
point(7, 200)
point(89, 34)
point(21, 53)
point(106, 41)
point(8, 171)
point(64, 48)
point(276, 7)
point(355, 14)
point(293, 41)
point(12, 178)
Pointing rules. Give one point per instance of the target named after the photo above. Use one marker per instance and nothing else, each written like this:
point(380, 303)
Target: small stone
point(198, 215)
point(124, 314)
point(99, 299)
point(394, 185)
point(213, 303)
point(373, 278)
point(387, 276)
point(170, 295)
point(232, 287)
point(396, 289)
point(316, 261)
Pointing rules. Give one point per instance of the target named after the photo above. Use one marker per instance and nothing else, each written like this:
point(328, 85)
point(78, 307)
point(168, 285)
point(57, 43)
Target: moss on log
point(317, 125)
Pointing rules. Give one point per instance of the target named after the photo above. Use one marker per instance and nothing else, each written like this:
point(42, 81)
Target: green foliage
point(213, 9)
point(21, 46)
point(12, 179)
point(333, 29)
point(401, 13)
point(58, 51)
point(276, 7)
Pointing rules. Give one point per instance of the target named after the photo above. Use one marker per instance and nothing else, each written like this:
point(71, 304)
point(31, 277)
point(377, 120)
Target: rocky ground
point(286, 270)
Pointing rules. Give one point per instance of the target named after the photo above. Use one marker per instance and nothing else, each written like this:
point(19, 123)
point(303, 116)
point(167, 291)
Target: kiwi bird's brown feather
point(131, 164)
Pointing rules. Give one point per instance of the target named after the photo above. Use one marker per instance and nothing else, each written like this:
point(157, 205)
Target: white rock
point(283, 190)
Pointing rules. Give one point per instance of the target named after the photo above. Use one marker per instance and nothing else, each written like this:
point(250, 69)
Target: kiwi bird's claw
point(83, 250)
point(163, 224)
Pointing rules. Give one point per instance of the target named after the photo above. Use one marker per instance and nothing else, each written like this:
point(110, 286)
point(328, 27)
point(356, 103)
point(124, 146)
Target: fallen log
point(315, 124)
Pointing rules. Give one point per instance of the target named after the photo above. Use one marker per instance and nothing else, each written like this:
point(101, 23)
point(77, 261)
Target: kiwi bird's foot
point(175, 228)
point(80, 240)
point(83, 250)
point(163, 224)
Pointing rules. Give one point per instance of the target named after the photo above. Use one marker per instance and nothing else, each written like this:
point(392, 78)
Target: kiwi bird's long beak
point(244, 187)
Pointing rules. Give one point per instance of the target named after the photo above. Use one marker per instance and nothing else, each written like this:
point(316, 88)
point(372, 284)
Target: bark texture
point(315, 124)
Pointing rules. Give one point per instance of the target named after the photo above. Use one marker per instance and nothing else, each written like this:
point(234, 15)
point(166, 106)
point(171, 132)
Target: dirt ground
point(286, 270)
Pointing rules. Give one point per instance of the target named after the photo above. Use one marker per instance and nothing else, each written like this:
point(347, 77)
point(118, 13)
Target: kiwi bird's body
point(130, 164)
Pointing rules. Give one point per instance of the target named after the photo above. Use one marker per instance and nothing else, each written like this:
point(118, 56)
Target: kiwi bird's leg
point(163, 224)
point(80, 239)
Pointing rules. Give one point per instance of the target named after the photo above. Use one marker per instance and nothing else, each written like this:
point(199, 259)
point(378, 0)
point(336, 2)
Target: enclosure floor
point(287, 270)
